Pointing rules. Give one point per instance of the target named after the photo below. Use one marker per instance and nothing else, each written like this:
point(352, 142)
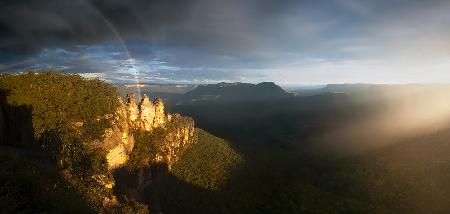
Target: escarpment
point(146, 116)
point(117, 140)
point(168, 135)
point(180, 135)
point(90, 132)
point(172, 133)
point(175, 131)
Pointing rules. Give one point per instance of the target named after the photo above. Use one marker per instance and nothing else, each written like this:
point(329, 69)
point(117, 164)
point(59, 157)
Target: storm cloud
point(292, 41)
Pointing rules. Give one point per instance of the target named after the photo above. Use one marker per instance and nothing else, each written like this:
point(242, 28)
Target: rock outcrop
point(175, 134)
point(160, 118)
point(148, 115)
point(118, 140)
point(180, 134)
point(178, 130)
point(132, 110)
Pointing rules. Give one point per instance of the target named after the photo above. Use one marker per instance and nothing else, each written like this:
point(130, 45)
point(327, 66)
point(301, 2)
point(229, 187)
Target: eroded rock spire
point(160, 117)
point(132, 110)
point(147, 113)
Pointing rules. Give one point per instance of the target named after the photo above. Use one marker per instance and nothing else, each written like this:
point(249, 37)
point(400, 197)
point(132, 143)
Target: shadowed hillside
point(382, 147)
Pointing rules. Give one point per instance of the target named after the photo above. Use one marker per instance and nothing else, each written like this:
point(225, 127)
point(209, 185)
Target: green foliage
point(208, 163)
point(68, 113)
point(74, 154)
point(148, 143)
point(28, 187)
point(145, 148)
point(93, 129)
point(59, 99)
point(270, 181)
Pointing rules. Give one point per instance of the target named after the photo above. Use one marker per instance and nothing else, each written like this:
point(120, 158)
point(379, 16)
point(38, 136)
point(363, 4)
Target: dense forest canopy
point(209, 163)
point(58, 99)
point(66, 113)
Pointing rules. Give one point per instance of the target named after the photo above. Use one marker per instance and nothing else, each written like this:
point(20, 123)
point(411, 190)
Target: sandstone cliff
point(180, 135)
point(88, 133)
point(149, 115)
point(117, 140)
point(174, 134)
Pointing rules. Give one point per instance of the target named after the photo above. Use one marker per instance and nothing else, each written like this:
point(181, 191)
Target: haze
point(394, 114)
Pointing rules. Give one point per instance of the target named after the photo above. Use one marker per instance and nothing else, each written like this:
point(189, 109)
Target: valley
point(240, 148)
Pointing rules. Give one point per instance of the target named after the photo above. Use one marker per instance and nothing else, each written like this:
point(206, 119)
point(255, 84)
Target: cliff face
point(173, 133)
point(146, 116)
point(132, 110)
point(117, 140)
point(177, 132)
point(179, 136)
point(160, 118)
point(87, 132)
point(149, 115)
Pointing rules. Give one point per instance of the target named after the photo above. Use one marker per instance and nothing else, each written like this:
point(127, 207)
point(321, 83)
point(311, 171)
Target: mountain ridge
point(236, 91)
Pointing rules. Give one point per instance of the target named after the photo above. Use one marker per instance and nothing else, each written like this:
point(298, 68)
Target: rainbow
point(123, 44)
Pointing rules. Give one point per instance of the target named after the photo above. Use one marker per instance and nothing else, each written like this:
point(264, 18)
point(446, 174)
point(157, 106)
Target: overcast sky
point(291, 41)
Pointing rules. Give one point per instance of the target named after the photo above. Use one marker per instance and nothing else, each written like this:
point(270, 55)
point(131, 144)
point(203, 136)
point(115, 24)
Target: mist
point(396, 114)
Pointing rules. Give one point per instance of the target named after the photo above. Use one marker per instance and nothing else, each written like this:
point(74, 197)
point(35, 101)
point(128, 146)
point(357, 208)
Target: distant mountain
point(333, 88)
point(235, 92)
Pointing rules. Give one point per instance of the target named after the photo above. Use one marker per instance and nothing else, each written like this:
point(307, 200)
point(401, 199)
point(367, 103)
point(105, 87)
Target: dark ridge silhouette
point(235, 92)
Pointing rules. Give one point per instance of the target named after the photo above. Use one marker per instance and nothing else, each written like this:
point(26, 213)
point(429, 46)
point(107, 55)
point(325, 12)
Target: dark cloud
point(215, 24)
point(33, 24)
point(224, 26)
point(221, 39)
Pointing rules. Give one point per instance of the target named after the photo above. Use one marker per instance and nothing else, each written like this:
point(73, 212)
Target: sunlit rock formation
point(160, 117)
point(175, 134)
point(118, 140)
point(179, 136)
point(132, 110)
point(147, 113)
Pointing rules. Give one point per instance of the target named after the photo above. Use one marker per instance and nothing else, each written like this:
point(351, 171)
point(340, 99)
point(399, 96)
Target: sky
point(207, 41)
